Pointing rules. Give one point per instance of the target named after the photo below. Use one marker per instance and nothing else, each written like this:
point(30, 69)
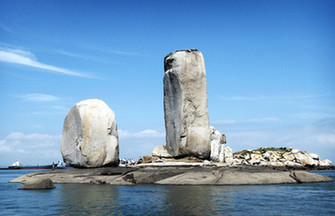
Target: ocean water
point(76, 199)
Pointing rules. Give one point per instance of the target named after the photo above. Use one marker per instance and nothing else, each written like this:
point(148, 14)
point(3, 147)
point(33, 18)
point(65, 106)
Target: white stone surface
point(280, 157)
point(228, 155)
point(305, 159)
point(326, 163)
point(185, 104)
point(217, 145)
point(267, 155)
point(256, 159)
point(314, 156)
point(90, 137)
point(288, 156)
point(160, 151)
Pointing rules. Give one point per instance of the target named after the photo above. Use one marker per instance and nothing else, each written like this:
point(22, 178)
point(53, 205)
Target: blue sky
point(270, 71)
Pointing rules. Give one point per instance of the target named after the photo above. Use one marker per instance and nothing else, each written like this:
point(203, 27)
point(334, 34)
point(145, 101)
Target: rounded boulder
point(90, 137)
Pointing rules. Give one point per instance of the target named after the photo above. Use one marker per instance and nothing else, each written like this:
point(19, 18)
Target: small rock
point(329, 162)
point(289, 164)
point(217, 145)
point(267, 155)
point(38, 184)
point(305, 159)
point(314, 156)
point(263, 163)
point(295, 151)
point(228, 155)
point(129, 178)
point(277, 164)
point(159, 160)
point(237, 161)
point(147, 159)
point(97, 181)
point(255, 162)
point(161, 151)
point(288, 157)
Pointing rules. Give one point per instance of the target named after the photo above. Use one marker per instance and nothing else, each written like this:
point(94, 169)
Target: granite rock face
point(220, 152)
point(160, 151)
point(90, 136)
point(185, 104)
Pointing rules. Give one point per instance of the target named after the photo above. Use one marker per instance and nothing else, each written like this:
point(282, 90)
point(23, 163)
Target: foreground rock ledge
point(176, 175)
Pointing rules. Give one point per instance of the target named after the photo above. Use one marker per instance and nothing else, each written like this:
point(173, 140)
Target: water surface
point(79, 199)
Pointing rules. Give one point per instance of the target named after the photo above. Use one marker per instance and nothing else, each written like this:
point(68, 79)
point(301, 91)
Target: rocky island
point(195, 153)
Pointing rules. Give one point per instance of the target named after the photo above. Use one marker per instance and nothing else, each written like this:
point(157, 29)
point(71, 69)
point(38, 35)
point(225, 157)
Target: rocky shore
point(177, 173)
point(280, 157)
point(194, 154)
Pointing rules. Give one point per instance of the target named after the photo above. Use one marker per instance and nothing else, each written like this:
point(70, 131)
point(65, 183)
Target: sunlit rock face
point(90, 137)
point(185, 104)
point(220, 152)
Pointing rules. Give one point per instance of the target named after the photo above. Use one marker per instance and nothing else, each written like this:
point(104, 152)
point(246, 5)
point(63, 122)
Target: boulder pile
point(279, 157)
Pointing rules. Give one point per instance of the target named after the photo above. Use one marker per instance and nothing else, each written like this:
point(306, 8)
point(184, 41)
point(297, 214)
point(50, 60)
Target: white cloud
point(85, 57)
point(30, 148)
point(148, 133)
point(16, 56)
point(37, 148)
point(36, 97)
point(111, 51)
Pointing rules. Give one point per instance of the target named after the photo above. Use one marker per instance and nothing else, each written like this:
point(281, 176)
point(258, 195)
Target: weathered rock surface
point(161, 151)
point(185, 104)
point(220, 152)
point(176, 175)
point(38, 184)
point(230, 177)
point(90, 136)
point(305, 177)
point(147, 159)
point(280, 157)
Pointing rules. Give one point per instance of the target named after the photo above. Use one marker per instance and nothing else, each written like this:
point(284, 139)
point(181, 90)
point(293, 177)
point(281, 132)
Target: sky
point(270, 71)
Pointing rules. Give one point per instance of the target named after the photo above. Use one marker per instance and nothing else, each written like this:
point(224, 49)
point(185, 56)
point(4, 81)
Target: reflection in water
point(83, 199)
point(199, 200)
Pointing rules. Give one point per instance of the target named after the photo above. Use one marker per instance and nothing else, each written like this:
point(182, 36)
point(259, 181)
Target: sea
point(85, 199)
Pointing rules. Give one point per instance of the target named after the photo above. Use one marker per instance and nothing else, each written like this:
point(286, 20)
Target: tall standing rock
point(185, 104)
point(90, 137)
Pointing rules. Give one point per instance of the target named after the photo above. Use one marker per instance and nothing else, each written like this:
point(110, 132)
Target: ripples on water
point(76, 199)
